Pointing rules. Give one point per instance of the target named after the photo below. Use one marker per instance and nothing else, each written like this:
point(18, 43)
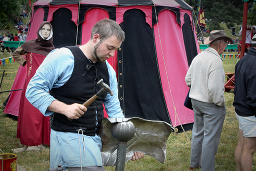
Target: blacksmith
point(71, 74)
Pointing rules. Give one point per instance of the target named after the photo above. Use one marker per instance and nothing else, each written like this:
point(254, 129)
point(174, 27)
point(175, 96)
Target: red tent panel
point(72, 7)
point(173, 66)
point(12, 107)
point(35, 23)
point(90, 19)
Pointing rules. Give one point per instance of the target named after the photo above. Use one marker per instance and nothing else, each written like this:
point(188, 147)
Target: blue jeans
point(68, 150)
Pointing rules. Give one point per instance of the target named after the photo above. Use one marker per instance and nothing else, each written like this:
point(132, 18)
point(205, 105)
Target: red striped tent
point(152, 62)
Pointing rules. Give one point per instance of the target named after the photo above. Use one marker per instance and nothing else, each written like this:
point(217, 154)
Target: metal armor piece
point(150, 138)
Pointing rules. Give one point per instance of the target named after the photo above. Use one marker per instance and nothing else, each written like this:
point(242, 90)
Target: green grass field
point(178, 146)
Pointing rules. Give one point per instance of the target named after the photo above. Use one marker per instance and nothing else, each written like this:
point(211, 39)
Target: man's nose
point(112, 53)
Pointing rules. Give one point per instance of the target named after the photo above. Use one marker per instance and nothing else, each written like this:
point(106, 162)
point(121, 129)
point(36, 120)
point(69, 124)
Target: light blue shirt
point(54, 72)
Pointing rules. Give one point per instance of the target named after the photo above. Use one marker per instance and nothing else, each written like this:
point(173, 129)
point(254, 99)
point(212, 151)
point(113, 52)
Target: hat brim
point(207, 40)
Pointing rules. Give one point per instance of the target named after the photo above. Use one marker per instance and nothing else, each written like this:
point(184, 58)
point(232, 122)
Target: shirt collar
point(213, 51)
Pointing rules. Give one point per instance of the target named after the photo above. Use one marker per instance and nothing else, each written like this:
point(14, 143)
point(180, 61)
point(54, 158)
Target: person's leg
point(73, 150)
point(249, 148)
point(197, 136)
point(238, 151)
point(248, 126)
point(213, 122)
point(56, 157)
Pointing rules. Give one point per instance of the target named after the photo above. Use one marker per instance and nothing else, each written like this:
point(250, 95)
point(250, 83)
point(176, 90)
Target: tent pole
point(244, 29)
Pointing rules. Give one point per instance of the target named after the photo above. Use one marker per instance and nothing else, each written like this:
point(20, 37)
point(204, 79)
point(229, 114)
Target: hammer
point(105, 87)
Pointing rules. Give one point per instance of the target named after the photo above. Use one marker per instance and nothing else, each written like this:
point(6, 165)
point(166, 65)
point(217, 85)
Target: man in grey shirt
point(205, 78)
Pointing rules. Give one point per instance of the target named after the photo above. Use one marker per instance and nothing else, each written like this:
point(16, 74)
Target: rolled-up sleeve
point(54, 72)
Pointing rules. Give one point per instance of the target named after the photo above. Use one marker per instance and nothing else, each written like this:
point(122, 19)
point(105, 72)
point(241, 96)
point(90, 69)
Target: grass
point(178, 145)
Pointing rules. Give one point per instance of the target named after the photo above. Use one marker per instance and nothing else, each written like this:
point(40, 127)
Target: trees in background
point(251, 15)
point(227, 11)
point(224, 11)
point(10, 10)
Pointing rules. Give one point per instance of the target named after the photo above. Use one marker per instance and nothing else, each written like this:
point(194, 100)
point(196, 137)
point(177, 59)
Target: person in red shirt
point(16, 38)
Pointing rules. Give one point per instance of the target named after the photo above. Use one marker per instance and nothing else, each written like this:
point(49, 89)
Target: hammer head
point(105, 87)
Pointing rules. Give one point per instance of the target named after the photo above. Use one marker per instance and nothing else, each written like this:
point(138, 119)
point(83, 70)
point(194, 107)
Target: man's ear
point(96, 37)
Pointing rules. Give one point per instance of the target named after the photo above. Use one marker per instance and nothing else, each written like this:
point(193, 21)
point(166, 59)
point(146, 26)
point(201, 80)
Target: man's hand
point(73, 111)
point(137, 156)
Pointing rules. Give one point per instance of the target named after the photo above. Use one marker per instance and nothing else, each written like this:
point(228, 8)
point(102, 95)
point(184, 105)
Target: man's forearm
point(57, 106)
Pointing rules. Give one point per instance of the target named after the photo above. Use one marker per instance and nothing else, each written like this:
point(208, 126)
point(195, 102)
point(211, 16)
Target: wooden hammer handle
point(90, 100)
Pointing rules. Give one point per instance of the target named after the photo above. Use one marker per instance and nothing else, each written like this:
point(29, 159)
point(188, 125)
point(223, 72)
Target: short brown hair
point(107, 28)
